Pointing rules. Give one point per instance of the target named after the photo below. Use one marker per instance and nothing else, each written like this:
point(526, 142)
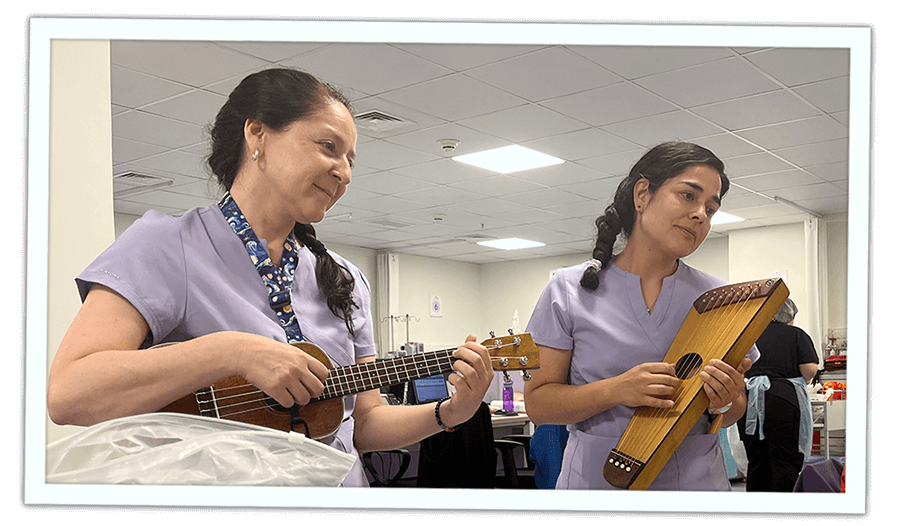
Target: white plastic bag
point(737, 448)
point(169, 448)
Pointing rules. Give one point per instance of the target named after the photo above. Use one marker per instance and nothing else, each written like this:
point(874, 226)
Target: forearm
point(738, 407)
point(559, 403)
point(113, 383)
point(396, 426)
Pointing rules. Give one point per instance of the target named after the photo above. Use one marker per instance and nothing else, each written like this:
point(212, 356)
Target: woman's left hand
point(723, 383)
point(471, 378)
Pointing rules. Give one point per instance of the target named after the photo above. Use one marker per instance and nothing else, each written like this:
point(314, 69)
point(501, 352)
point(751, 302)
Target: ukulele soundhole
point(275, 405)
point(688, 365)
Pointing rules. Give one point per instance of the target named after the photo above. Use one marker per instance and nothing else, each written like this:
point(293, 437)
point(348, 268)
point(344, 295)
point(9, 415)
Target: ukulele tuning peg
point(492, 334)
point(510, 332)
point(526, 375)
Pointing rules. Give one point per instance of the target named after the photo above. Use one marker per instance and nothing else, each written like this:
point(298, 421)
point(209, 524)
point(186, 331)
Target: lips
point(329, 194)
point(687, 231)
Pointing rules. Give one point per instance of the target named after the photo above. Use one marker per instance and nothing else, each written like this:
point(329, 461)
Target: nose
point(342, 171)
point(700, 214)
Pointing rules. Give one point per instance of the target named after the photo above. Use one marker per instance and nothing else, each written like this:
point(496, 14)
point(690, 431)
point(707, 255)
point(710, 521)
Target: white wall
point(756, 253)
point(502, 289)
point(80, 189)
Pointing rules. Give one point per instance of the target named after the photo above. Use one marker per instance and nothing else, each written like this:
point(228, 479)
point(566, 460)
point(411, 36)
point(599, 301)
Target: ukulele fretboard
point(352, 379)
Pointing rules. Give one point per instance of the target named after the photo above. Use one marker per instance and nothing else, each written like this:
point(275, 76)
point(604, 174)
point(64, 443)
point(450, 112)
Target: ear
point(254, 131)
point(641, 193)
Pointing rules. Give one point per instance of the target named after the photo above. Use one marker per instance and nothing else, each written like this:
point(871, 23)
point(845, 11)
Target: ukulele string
point(338, 379)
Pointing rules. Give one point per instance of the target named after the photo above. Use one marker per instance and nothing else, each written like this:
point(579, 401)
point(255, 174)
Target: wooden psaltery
point(723, 324)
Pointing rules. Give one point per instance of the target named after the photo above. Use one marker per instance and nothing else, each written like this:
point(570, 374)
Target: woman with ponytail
point(603, 327)
point(232, 285)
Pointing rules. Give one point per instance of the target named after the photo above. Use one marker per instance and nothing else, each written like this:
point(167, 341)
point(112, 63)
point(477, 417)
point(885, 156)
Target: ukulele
point(234, 398)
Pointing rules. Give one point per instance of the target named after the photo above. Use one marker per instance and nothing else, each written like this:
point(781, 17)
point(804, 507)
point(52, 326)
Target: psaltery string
point(725, 309)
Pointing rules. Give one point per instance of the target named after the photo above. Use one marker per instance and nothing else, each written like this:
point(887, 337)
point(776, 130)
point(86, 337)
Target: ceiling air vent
point(378, 121)
point(390, 223)
point(132, 183)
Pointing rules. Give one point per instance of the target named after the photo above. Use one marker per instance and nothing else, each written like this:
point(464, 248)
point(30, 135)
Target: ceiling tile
point(709, 83)
point(798, 66)
point(545, 74)
point(454, 97)
point(655, 129)
point(758, 110)
point(600, 129)
point(796, 133)
point(523, 123)
point(634, 62)
point(607, 105)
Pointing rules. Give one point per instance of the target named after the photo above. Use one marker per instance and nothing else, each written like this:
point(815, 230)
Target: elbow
point(537, 416)
point(62, 409)
point(56, 408)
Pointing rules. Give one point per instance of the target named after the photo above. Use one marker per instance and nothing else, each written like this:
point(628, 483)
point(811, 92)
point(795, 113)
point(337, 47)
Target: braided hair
point(279, 97)
point(659, 164)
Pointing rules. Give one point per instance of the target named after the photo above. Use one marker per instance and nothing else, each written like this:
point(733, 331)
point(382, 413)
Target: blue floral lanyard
point(277, 281)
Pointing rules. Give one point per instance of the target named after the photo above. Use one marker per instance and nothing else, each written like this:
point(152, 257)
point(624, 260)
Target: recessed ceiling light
point(512, 243)
point(508, 159)
point(721, 218)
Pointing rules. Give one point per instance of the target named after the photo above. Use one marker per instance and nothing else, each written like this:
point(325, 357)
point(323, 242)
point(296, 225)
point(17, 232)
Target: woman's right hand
point(285, 372)
point(648, 384)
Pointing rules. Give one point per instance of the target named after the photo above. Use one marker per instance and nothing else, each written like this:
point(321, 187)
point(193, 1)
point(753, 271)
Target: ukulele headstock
point(514, 352)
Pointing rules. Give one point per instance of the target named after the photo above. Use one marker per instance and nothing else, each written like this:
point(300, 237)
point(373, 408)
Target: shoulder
point(153, 224)
point(572, 273)
point(697, 278)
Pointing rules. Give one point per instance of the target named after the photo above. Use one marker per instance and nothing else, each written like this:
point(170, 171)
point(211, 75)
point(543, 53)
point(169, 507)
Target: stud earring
point(255, 155)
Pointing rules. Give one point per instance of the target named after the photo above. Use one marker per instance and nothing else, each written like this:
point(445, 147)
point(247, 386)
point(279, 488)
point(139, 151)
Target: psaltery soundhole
point(688, 365)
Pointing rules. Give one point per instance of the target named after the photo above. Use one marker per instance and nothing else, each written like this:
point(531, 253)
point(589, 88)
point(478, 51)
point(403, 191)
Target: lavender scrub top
point(190, 275)
point(609, 331)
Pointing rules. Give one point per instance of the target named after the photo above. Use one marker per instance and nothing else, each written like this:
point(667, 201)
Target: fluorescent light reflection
point(508, 159)
point(721, 218)
point(512, 243)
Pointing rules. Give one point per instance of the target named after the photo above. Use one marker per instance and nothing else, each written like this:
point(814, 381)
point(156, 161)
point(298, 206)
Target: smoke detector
point(448, 145)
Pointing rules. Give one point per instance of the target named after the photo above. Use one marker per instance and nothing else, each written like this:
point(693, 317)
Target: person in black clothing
point(777, 427)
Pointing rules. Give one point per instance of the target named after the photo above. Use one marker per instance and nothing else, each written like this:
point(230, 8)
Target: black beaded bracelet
point(437, 415)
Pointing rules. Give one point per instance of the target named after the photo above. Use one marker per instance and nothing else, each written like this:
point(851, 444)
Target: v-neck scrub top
point(190, 275)
point(609, 332)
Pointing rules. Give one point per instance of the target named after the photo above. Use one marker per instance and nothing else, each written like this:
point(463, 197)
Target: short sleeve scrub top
point(190, 275)
point(609, 332)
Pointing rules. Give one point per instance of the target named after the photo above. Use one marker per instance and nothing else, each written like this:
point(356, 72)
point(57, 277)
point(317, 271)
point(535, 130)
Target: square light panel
point(721, 218)
point(508, 159)
point(512, 243)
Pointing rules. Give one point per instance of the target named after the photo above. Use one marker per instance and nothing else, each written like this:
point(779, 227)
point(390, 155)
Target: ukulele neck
point(352, 379)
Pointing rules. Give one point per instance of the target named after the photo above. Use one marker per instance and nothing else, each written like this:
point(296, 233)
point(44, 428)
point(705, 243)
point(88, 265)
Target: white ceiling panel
point(777, 117)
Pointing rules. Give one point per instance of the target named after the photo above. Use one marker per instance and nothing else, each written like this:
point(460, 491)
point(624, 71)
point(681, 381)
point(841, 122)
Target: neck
point(644, 261)
point(266, 225)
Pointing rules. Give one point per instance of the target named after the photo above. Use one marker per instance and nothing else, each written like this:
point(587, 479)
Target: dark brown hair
point(278, 98)
point(659, 164)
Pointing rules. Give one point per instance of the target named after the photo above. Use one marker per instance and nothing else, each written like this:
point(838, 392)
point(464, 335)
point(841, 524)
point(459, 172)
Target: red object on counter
point(835, 363)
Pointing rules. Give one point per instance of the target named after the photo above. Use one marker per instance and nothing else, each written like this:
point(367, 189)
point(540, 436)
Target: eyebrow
point(699, 188)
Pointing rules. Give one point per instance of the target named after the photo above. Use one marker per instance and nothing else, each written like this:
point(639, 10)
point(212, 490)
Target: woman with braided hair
point(603, 327)
point(231, 285)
